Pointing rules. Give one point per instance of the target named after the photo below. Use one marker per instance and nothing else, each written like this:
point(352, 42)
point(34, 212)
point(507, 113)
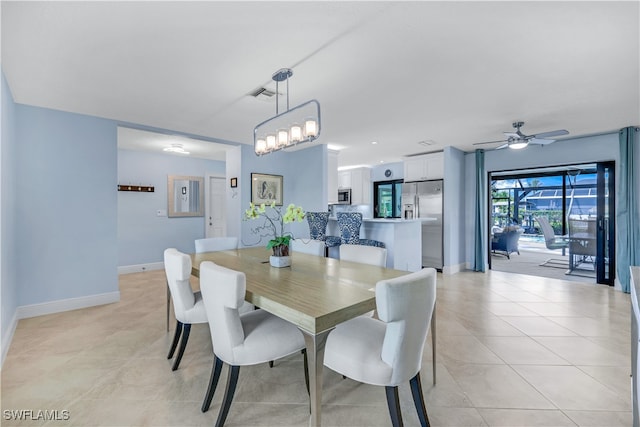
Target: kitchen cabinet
point(344, 179)
point(359, 181)
point(332, 176)
point(424, 167)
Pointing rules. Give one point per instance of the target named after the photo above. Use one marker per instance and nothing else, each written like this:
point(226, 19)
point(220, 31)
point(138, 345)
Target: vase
point(279, 261)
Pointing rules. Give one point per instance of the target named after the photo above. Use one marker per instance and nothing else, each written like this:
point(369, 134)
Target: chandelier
point(294, 126)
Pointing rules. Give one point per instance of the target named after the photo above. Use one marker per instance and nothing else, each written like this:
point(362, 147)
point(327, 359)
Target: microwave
point(344, 196)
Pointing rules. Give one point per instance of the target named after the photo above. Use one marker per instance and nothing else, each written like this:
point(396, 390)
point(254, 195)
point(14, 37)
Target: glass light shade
point(518, 145)
point(271, 142)
point(310, 128)
point(283, 138)
point(295, 133)
point(261, 146)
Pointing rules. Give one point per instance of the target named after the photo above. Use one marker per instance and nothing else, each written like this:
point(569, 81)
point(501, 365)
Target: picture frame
point(266, 189)
point(234, 182)
point(185, 195)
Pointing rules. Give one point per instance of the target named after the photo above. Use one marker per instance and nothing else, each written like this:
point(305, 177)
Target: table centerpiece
point(273, 227)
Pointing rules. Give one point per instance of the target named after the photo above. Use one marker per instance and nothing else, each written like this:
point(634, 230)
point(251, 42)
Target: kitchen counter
point(402, 239)
point(391, 220)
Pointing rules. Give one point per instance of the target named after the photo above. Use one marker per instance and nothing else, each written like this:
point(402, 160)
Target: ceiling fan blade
point(541, 141)
point(551, 133)
point(488, 142)
point(501, 147)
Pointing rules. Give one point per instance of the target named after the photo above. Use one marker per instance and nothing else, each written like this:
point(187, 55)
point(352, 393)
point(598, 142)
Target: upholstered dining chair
point(388, 352)
point(213, 244)
point(187, 305)
point(349, 224)
point(240, 339)
point(318, 222)
point(312, 247)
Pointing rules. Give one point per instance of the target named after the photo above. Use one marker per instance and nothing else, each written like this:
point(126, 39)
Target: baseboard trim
point(7, 337)
point(453, 269)
point(139, 268)
point(33, 310)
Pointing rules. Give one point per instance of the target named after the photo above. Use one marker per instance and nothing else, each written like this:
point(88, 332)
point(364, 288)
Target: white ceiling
point(454, 73)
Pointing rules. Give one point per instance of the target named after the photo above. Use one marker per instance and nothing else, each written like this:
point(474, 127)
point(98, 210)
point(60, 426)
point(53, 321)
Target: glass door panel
point(605, 231)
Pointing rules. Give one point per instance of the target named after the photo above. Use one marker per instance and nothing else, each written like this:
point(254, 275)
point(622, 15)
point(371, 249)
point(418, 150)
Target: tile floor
point(513, 350)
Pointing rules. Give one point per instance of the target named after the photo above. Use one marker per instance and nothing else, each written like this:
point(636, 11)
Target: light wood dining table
point(315, 294)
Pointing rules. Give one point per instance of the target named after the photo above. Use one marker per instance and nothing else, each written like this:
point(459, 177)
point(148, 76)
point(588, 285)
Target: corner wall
point(8, 285)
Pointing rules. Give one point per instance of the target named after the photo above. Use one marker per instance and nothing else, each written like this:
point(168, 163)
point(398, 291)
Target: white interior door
point(217, 217)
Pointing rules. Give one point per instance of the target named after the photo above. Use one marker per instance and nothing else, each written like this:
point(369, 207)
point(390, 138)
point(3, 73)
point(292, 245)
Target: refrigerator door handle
point(416, 204)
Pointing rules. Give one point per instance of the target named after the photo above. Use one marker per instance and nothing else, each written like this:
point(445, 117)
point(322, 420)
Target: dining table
point(314, 293)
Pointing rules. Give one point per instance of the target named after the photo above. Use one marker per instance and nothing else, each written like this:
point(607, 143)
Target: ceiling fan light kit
point(297, 125)
point(518, 140)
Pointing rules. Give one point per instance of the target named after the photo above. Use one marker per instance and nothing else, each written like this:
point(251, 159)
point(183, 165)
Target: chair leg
point(232, 381)
point(213, 383)
point(271, 363)
point(393, 402)
point(306, 370)
point(176, 338)
point(186, 328)
point(418, 400)
point(433, 342)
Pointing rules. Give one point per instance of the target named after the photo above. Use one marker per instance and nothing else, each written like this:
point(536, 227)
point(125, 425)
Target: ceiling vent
point(427, 143)
point(262, 94)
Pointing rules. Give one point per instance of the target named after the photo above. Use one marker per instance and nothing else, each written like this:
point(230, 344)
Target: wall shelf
point(138, 188)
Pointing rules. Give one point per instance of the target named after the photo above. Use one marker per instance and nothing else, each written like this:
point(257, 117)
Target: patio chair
point(507, 241)
point(553, 242)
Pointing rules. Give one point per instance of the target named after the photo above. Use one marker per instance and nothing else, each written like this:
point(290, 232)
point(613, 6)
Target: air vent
point(262, 94)
point(427, 143)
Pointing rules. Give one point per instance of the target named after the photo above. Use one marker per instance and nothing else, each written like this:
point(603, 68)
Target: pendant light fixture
point(294, 126)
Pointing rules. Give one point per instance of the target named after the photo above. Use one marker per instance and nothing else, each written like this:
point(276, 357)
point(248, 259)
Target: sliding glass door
point(578, 203)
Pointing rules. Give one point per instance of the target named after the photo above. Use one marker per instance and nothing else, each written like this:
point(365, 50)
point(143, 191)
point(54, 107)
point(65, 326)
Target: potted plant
point(273, 227)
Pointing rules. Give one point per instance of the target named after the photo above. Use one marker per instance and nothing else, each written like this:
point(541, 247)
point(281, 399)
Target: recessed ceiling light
point(175, 148)
point(374, 142)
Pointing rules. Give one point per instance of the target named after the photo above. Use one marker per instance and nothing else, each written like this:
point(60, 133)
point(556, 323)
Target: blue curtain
point(480, 223)
point(627, 212)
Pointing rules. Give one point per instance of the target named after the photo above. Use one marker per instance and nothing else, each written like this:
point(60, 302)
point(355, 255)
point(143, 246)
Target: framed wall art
point(266, 189)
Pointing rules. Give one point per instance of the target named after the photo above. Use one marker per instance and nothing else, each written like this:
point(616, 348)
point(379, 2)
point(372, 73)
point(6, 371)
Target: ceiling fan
point(518, 140)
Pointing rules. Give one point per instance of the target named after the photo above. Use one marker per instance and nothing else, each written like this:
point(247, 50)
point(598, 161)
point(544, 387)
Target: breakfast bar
point(402, 238)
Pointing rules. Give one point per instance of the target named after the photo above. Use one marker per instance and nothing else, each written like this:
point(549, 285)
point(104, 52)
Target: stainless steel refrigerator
point(423, 199)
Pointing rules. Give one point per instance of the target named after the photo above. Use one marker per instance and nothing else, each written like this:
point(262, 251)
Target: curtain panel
point(628, 212)
point(480, 223)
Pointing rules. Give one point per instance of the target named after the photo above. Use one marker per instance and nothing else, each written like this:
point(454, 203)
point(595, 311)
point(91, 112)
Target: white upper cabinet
point(424, 167)
point(344, 179)
point(359, 181)
point(361, 186)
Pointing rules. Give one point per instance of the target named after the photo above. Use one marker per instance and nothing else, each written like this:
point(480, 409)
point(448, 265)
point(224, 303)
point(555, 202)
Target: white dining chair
point(240, 339)
point(310, 246)
point(363, 254)
point(213, 244)
point(187, 304)
point(388, 352)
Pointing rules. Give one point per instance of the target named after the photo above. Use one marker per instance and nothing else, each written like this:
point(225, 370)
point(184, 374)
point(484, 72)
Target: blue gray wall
point(304, 184)
point(142, 235)
point(8, 257)
point(65, 222)
point(454, 209)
